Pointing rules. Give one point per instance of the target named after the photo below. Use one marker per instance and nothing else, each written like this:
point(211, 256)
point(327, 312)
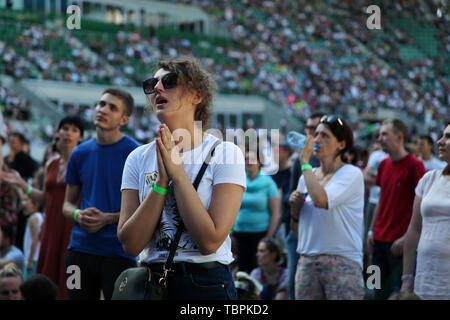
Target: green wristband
point(75, 214)
point(159, 189)
point(306, 167)
point(30, 188)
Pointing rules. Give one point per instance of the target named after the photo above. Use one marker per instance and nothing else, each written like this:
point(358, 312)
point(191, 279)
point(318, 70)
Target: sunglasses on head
point(169, 81)
point(331, 119)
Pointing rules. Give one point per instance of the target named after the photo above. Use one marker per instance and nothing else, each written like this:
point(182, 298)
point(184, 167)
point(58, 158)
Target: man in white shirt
point(425, 148)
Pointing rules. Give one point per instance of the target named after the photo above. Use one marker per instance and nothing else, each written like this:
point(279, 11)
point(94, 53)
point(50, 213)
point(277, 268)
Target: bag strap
point(180, 228)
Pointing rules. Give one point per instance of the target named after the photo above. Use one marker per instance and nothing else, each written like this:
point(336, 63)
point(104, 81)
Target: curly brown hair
point(192, 76)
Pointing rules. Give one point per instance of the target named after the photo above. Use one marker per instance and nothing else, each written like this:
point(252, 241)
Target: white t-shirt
point(374, 160)
point(432, 280)
point(28, 237)
point(433, 164)
point(140, 172)
point(339, 229)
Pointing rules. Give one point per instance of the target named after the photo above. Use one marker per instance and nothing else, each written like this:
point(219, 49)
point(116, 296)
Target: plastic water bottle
point(296, 139)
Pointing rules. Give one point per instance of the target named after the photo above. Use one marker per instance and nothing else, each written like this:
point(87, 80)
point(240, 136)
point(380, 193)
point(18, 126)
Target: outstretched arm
point(14, 178)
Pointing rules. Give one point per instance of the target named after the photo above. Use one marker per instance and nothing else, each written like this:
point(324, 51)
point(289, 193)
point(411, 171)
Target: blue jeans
point(215, 284)
point(292, 259)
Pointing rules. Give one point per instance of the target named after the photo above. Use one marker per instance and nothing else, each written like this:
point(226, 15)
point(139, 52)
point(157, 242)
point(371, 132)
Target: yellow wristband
point(75, 214)
point(159, 189)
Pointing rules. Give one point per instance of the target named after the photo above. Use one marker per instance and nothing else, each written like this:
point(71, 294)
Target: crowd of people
point(12, 106)
point(425, 72)
point(310, 231)
point(36, 51)
point(312, 58)
point(333, 68)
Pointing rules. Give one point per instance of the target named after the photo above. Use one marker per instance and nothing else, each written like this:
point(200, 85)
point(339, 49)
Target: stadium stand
point(302, 56)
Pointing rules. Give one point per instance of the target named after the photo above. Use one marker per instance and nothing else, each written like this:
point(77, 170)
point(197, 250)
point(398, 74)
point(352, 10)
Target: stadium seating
point(316, 57)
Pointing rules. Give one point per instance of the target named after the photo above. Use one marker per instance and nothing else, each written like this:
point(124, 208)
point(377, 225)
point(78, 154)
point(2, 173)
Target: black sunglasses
point(169, 81)
point(331, 119)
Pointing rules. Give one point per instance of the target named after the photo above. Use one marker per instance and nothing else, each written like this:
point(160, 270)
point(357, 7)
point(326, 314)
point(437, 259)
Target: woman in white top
point(327, 214)
point(426, 253)
point(158, 192)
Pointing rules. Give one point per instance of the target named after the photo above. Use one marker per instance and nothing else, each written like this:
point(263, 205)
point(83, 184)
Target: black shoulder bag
point(141, 283)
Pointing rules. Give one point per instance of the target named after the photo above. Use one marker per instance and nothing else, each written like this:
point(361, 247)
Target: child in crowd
point(31, 241)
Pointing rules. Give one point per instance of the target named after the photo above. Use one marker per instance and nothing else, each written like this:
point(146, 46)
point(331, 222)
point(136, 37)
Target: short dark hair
point(399, 127)
point(74, 120)
point(123, 95)
point(8, 231)
point(38, 287)
point(316, 115)
point(20, 136)
point(427, 138)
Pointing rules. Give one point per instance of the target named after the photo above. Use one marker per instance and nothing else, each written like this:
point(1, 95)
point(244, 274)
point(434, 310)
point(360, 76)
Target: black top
point(283, 179)
point(23, 164)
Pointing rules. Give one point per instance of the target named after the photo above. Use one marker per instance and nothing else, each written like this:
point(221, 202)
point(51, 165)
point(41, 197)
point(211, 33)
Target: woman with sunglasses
point(327, 215)
point(158, 192)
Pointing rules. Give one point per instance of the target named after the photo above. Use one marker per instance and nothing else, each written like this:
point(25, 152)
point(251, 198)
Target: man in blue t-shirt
point(94, 176)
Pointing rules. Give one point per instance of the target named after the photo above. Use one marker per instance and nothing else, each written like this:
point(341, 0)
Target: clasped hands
point(92, 219)
point(168, 150)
